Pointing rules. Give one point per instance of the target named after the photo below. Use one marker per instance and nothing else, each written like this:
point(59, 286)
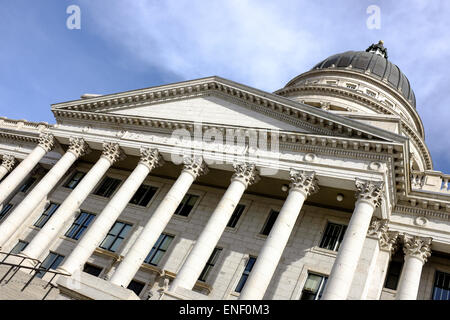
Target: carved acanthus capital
point(370, 191)
point(195, 165)
point(151, 158)
point(247, 173)
point(304, 181)
point(8, 162)
point(78, 147)
point(46, 141)
point(377, 227)
point(419, 247)
point(388, 241)
point(112, 152)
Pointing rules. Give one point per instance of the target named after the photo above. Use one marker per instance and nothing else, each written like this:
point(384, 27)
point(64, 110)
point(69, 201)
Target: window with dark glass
point(80, 224)
point(159, 249)
point(75, 180)
point(394, 270)
point(314, 286)
point(136, 287)
point(52, 261)
point(115, 236)
point(48, 212)
point(269, 222)
point(5, 210)
point(210, 264)
point(27, 185)
point(186, 205)
point(245, 274)
point(91, 269)
point(441, 289)
point(19, 247)
point(236, 215)
point(333, 236)
point(107, 187)
point(143, 195)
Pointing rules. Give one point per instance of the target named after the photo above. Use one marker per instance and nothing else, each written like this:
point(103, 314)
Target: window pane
point(116, 245)
point(19, 247)
point(269, 222)
point(26, 186)
point(91, 269)
point(106, 244)
point(236, 215)
point(441, 290)
point(165, 244)
point(314, 286)
point(247, 270)
point(116, 228)
point(136, 287)
point(148, 196)
point(5, 210)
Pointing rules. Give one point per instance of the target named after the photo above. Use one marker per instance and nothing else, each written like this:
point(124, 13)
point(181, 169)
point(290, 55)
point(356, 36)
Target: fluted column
point(417, 250)
point(15, 178)
point(111, 154)
point(245, 175)
point(302, 185)
point(369, 197)
point(8, 162)
point(193, 167)
point(76, 149)
point(150, 159)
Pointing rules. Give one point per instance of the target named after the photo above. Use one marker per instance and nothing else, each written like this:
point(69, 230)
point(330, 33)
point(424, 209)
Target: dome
point(374, 63)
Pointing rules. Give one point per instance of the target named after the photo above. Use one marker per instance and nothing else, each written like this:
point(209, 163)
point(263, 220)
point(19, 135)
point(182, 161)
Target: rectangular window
point(91, 269)
point(74, 180)
point(314, 286)
point(245, 274)
point(107, 187)
point(269, 222)
point(441, 290)
point(333, 236)
point(18, 248)
point(351, 86)
point(80, 224)
point(115, 236)
point(210, 264)
point(236, 215)
point(27, 185)
point(48, 212)
point(136, 287)
point(186, 205)
point(159, 249)
point(143, 195)
point(7, 208)
point(52, 261)
point(371, 93)
point(394, 271)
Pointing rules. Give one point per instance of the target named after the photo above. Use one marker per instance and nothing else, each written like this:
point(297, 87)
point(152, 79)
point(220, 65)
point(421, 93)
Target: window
point(91, 269)
point(48, 212)
point(19, 247)
point(314, 286)
point(371, 93)
point(351, 86)
point(80, 224)
point(52, 261)
point(441, 290)
point(5, 210)
point(394, 270)
point(74, 180)
point(136, 287)
point(107, 187)
point(159, 249)
point(143, 195)
point(115, 236)
point(332, 238)
point(236, 215)
point(269, 222)
point(186, 205)
point(210, 264)
point(245, 274)
point(26, 186)
point(332, 82)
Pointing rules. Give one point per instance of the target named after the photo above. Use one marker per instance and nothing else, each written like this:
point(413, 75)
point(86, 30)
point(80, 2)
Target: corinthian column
point(245, 175)
point(76, 149)
point(66, 211)
point(8, 162)
point(417, 250)
point(15, 178)
point(193, 167)
point(302, 185)
point(369, 197)
point(150, 159)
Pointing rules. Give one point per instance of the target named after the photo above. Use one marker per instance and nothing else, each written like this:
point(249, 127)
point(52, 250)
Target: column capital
point(78, 147)
point(415, 246)
point(46, 141)
point(304, 181)
point(369, 191)
point(247, 173)
point(388, 241)
point(378, 229)
point(151, 158)
point(112, 152)
point(8, 162)
point(195, 165)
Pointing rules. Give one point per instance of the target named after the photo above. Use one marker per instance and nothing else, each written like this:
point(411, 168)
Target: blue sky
point(125, 45)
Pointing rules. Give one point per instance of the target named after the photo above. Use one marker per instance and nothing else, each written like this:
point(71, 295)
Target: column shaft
point(3, 172)
point(410, 279)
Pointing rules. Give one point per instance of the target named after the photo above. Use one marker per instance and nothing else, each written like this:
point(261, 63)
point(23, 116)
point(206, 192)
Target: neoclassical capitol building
point(210, 189)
